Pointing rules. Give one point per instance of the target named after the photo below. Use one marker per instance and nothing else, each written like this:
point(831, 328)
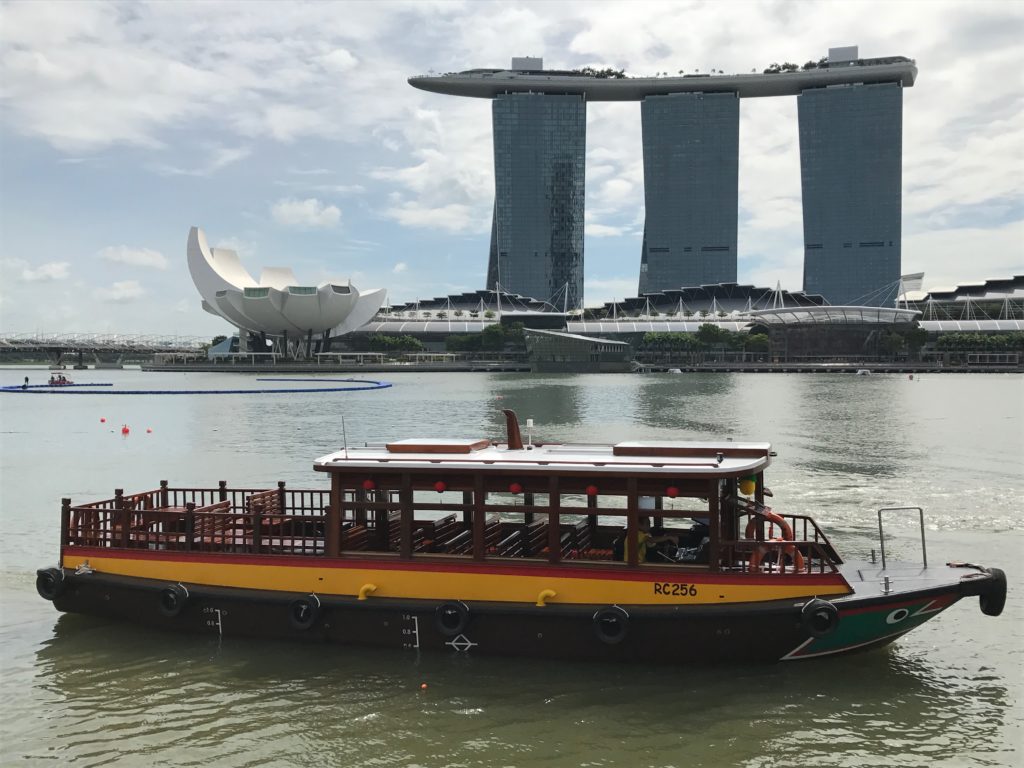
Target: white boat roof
point(675, 458)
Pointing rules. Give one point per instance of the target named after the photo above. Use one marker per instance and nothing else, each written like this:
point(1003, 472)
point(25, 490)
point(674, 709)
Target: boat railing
point(776, 556)
point(881, 533)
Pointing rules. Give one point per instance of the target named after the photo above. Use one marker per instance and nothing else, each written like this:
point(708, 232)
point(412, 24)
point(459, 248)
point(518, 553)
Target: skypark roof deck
point(488, 83)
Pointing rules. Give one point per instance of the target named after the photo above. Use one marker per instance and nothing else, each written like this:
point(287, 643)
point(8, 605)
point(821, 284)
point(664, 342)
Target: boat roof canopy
point(666, 458)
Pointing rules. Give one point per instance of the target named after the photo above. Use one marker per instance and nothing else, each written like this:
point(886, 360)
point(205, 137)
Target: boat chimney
point(515, 439)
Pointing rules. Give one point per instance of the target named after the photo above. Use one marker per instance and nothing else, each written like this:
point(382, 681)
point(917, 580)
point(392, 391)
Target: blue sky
point(288, 132)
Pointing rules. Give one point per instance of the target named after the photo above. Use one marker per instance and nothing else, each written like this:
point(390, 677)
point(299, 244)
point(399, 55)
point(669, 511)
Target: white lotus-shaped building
point(276, 304)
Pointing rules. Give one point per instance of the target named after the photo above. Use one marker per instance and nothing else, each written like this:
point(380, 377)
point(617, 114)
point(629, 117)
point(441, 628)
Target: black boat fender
point(611, 624)
point(50, 582)
point(304, 612)
point(451, 619)
point(173, 599)
point(993, 598)
point(819, 618)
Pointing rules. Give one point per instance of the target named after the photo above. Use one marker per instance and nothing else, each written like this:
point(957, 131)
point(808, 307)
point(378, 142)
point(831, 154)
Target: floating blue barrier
point(46, 389)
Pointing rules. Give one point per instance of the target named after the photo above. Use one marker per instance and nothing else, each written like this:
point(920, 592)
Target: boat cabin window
point(500, 517)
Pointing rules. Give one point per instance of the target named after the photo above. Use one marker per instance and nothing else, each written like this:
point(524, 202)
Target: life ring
point(819, 618)
point(451, 619)
point(771, 517)
point(304, 612)
point(993, 599)
point(761, 551)
point(611, 624)
point(50, 583)
point(173, 599)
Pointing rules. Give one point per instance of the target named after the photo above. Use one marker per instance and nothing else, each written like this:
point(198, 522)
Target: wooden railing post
point(190, 524)
point(257, 532)
point(592, 518)
point(332, 540)
point(222, 488)
point(124, 514)
point(479, 518)
point(554, 520)
point(164, 501)
point(632, 504)
point(65, 521)
point(282, 506)
point(406, 517)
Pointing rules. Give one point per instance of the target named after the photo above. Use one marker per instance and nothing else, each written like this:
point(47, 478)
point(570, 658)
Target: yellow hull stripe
point(436, 584)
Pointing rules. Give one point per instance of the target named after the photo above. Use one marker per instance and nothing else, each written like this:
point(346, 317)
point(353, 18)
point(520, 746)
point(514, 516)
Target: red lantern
point(440, 486)
point(591, 490)
point(671, 491)
point(515, 488)
point(369, 485)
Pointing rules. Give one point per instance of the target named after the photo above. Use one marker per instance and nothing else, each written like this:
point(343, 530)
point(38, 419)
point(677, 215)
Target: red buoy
point(369, 485)
point(515, 488)
point(124, 429)
point(440, 486)
point(591, 490)
point(671, 491)
point(149, 430)
point(103, 420)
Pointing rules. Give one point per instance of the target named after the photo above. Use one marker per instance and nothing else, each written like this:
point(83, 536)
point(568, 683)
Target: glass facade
point(691, 177)
point(537, 232)
point(851, 145)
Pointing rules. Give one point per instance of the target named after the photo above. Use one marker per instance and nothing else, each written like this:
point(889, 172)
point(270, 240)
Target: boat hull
point(742, 632)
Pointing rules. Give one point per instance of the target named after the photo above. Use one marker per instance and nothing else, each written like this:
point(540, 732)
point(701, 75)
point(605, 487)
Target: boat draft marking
point(462, 644)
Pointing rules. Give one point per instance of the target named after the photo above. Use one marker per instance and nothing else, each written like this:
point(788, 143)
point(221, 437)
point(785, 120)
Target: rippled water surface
point(83, 692)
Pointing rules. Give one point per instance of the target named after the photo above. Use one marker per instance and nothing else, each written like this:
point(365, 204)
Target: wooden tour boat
point(471, 546)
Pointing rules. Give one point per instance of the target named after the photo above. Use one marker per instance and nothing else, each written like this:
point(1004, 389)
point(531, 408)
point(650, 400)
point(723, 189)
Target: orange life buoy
point(762, 550)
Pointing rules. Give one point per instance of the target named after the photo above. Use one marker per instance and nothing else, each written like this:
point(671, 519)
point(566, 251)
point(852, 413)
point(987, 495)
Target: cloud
point(220, 157)
point(454, 217)
point(338, 61)
point(600, 291)
point(136, 257)
point(24, 272)
point(309, 213)
point(400, 267)
point(120, 292)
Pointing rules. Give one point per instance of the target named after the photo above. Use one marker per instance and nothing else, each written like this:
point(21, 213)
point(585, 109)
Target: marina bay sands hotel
point(850, 125)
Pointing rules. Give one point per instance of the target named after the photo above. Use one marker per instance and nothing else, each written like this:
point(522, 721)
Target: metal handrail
point(881, 535)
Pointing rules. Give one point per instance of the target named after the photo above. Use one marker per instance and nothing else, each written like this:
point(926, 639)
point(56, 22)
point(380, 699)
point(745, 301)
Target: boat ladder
point(881, 534)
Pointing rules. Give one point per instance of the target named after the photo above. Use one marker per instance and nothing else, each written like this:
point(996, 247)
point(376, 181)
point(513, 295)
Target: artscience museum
point(277, 309)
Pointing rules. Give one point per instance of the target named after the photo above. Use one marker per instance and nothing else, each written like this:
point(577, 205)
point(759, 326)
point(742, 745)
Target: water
point(83, 692)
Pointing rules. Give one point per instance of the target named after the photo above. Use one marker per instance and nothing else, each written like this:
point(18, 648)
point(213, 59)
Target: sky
point(289, 132)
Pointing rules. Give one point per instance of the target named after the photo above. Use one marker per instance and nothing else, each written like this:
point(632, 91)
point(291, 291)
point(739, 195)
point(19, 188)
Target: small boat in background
point(863, 372)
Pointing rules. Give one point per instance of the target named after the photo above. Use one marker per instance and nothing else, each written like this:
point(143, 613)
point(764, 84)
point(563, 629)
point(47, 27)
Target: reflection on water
point(195, 701)
point(83, 692)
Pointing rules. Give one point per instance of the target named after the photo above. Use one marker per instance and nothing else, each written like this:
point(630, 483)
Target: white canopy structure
point(276, 304)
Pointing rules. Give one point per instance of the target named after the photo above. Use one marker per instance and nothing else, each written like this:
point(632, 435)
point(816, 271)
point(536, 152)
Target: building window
point(872, 244)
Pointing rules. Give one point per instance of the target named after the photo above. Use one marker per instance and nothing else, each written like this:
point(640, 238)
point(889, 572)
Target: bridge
point(107, 350)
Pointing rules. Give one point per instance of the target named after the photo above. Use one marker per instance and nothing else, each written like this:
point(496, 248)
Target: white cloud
point(219, 157)
point(338, 61)
point(400, 267)
point(600, 291)
point(120, 292)
point(309, 213)
point(453, 218)
point(136, 257)
point(26, 273)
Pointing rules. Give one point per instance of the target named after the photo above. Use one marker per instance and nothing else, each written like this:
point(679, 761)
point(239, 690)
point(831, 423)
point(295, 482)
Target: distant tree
point(405, 343)
point(489, 314)
point(458, 313)
point(217, 340)
point(441, 315)
point(757, 342)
